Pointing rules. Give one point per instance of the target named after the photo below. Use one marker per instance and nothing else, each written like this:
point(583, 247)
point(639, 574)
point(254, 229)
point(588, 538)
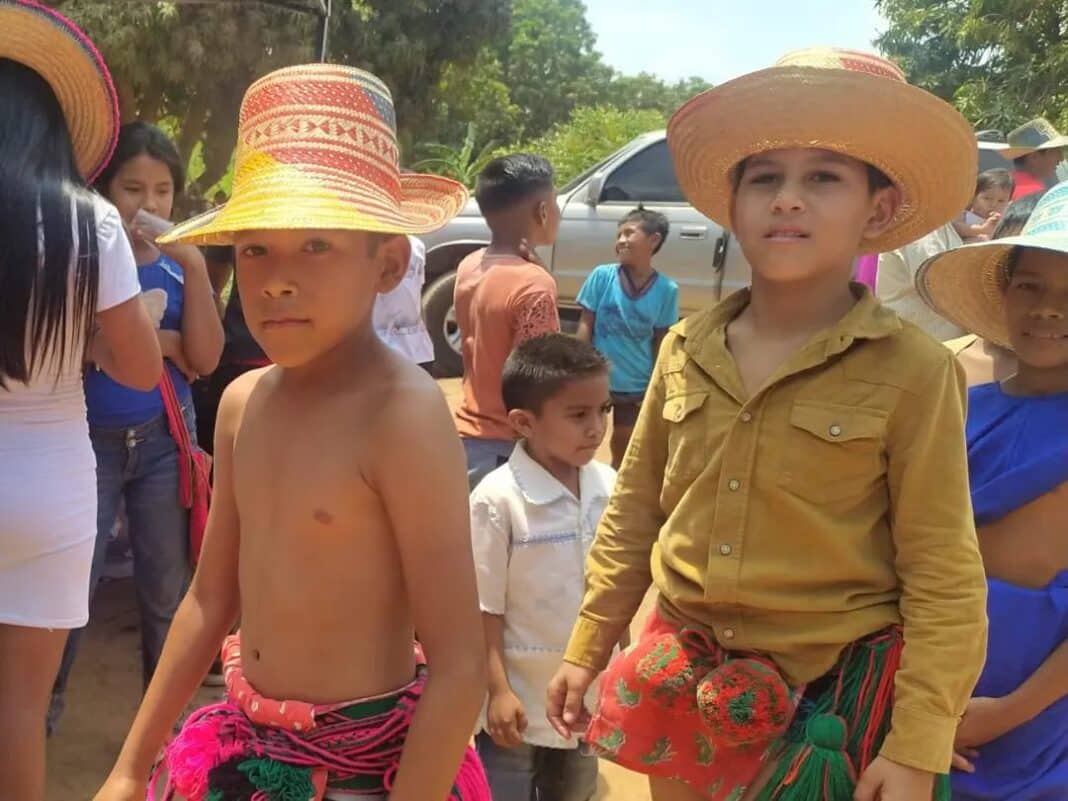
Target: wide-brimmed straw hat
point(1038, 134)
point(57, 50)
point(317, 148)
point(967, 285)
point(848, 102)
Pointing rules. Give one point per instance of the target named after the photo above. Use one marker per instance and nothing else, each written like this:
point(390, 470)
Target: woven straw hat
point(1038, 134)
point(57, 50)
point(840, 100)
point(966, 285)
point(317, 148)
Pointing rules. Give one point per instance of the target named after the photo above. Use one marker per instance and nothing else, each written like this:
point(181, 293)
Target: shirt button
point(734, 485)
point(725, 549)
point(836, 430)
point(746, 417)
point(728, 634)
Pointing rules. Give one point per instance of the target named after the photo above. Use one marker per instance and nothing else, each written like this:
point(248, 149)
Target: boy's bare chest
point(297, 472)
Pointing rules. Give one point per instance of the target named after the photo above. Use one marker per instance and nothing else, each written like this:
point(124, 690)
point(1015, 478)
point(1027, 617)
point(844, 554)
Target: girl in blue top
point(137, 459)
point(1013, 740)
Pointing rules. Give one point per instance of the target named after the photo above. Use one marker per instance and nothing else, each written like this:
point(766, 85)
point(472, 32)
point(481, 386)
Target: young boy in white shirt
point(532, 522)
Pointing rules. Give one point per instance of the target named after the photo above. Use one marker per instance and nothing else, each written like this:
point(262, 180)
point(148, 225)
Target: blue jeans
point(139, 465)
point(484, 456)
point(534, 773)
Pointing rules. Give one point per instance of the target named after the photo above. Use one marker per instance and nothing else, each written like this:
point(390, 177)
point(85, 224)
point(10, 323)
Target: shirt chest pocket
point(833, 452)
point(686, 435)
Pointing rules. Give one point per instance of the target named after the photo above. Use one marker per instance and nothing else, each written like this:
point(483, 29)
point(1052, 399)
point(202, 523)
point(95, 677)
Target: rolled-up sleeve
point(943, 586)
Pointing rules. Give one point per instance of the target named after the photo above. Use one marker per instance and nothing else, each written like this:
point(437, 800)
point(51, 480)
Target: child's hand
point(506, 719)
point(888, 781)
point(989, 224)
point(964, 759)
point(170, 345)
point(984, 720)
point(564, 699)
point(122, 789)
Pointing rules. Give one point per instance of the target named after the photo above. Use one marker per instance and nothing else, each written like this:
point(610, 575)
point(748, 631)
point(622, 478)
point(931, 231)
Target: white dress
point(47, 467)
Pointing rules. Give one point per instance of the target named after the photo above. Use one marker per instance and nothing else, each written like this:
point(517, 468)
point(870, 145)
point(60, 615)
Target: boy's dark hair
point(540, 367)
point(507, 180)
point(877, 179)
point(995, 179)
point(1017, 215)
point(651, 222)
point(140, 138)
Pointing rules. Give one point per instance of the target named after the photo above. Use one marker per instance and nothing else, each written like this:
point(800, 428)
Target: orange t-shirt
point(500, 302)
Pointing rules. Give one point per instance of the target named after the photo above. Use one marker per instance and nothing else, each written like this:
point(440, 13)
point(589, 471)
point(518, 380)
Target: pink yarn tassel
point(471, 782)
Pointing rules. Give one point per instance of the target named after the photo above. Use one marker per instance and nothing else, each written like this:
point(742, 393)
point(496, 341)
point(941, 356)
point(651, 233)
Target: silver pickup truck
point(698, 254)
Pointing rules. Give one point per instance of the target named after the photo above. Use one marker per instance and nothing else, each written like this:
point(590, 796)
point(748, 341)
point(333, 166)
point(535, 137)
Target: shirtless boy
point(313, 537)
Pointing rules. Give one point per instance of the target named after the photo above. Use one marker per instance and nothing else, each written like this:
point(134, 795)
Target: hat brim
point(1011, 152)
point(932, 163)
point(427, 202)
point(966, 285)
point(58, 51)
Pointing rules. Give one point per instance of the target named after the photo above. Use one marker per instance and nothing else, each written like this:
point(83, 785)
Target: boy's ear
point(656, 239)
point(885, 204)
point(541, 212)
point(394, 252)
point(522, 422)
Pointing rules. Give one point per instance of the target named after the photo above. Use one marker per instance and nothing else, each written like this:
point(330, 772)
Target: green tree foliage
point(1001, 61)
point(461, 163)
point(591, 134)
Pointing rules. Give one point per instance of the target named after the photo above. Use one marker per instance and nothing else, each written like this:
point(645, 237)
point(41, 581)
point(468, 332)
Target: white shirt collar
point(540, 487)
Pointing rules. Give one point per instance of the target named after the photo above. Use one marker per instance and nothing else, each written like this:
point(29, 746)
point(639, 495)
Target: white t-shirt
point(398, 315)
point(530, 537)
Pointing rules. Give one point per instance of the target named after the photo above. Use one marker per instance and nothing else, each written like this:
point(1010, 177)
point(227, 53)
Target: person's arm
point(202, 332)
point(1045, 687)
point(587, 320)
point(491, 542)
point(419, 448)
point(202, 621)
point(617, 568)
point(125, 345)
point(589, 300)
point(943, 584)
point(669, 315)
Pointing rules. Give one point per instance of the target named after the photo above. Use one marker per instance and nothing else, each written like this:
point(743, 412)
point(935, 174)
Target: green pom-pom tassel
point(281, 782)
point(214, 795)
point(818, 767)
point(826, 732)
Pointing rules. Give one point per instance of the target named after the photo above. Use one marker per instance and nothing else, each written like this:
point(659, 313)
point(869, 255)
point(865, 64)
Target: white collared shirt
point(530, 536)
point(398, 315)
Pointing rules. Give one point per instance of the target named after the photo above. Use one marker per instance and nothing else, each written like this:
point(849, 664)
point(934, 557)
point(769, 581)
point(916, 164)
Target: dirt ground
point(105, 689)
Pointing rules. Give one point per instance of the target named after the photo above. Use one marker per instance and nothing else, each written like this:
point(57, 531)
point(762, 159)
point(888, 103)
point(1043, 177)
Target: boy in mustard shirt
point(796, 485)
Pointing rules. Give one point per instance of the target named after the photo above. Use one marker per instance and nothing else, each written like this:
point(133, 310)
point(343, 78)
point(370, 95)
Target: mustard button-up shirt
point(829, 505)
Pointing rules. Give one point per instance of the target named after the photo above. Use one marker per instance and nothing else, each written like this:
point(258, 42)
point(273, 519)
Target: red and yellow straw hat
point(57, 50)
point(849, 102)
point(317, 148)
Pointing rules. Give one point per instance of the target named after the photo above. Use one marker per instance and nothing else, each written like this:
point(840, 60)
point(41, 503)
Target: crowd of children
point(857, 564)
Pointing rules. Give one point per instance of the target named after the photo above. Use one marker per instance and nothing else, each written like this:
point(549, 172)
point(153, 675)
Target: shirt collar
point(705, 335)
point(540, 488)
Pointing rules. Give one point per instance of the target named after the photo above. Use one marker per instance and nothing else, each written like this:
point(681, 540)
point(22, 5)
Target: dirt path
point(105, 688)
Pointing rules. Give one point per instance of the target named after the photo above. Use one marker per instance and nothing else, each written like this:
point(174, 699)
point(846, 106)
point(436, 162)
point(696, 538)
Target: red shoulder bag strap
point(180, 434)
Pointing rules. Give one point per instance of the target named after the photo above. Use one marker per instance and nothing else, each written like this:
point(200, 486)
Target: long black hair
point(43, 304)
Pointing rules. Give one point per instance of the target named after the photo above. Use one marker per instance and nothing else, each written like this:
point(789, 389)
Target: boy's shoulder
point(666, 282)
point(907, 358)
point(601, 475)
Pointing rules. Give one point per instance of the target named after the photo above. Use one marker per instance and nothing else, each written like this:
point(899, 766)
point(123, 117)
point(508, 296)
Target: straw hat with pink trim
point(57, 50)
point(845, 101)
point(317, 148)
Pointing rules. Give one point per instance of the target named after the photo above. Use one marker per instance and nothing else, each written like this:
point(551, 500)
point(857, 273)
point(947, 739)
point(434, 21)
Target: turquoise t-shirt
point(626, 323)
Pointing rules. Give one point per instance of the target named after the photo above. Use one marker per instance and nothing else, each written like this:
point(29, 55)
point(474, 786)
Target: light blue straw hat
point(966, 285)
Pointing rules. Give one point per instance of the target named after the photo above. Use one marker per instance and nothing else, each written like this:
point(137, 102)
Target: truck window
point(648, 176)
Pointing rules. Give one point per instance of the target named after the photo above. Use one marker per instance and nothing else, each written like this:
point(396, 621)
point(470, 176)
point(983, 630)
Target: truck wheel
point(440, 316)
